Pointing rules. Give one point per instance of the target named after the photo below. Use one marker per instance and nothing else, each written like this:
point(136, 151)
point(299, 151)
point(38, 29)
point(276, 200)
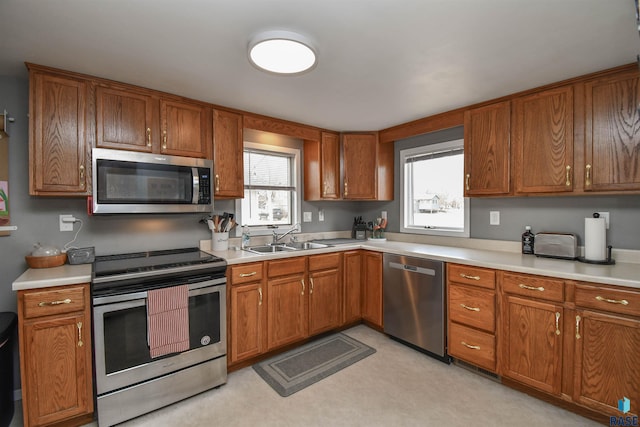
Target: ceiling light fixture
point(282, 52)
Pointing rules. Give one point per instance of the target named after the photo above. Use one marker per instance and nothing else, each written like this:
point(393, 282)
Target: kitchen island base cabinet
point(55, 355)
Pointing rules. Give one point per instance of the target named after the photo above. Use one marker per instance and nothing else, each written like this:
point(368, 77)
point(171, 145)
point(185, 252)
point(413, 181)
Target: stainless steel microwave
point(132, 182)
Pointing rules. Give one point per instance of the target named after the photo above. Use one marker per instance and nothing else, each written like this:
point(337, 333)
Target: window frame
point(296, 178)
point(425, 150)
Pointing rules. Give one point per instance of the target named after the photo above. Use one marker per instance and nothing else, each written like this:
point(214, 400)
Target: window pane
point(266, 169)
point(265, 207)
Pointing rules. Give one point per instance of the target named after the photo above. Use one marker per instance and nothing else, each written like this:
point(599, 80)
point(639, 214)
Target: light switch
point(494, 218)
point(307, 217)
point(321, 215)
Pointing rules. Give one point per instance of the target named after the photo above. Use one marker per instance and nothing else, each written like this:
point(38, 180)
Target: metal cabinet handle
point(470, 308)
point(164, 140)
point(82, 175)
point(612, 301)
point(324, 189)
point(472, 347)
point(80, 343)
point(557, 321)
point(253, 273)
point(311, 285)
point(531, 288)
point(302, 281)
point(45, 303)
point(217, 182)
point(148, 137)
point(587, 181)
point(568, 181)
point(465, 276)
point(466, 181)
point(346, 191)
point(260, 294)
point(578, 327)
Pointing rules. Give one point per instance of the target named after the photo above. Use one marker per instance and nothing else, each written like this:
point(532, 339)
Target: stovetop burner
point(113, 265)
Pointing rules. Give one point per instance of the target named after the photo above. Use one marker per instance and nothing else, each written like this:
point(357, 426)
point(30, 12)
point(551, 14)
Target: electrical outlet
point(66, 226)
point(494, 218)
point(307, 217)
point(383, 215)
point(321, 215)
point(605, 215)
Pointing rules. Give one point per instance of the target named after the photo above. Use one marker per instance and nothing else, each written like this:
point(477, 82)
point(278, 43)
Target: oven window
point(125, 332)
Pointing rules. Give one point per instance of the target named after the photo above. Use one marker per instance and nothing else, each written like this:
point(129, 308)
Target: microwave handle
point(195, 174)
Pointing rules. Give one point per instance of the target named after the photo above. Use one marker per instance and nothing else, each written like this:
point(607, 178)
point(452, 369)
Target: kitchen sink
point(288, 247)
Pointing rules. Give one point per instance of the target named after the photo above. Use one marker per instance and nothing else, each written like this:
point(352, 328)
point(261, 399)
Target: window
point(432, 186)
point(271, 196)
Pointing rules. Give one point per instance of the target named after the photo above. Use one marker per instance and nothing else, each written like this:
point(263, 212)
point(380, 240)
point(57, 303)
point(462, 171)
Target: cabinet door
point(532, 343)
point(612, 133)
point(359, 153)
point(248, 321)
point(542, 143)
point(372, 288)
point(57, 362)
point(286, 312)
point(185, 129)
point(325, 300)
point(125, 120)
point(228, 155)
point(330, 165)
point(486, 150)
point(58, 147)
point(606, 365)
point(352, 287)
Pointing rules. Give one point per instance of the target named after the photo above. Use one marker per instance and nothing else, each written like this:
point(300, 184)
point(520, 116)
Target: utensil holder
point(220, 241)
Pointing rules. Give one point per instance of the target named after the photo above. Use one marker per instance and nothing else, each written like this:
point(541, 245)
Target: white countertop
point(621, 274)
point(56, 276)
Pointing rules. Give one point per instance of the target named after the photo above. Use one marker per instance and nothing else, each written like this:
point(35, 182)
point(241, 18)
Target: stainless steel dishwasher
point(414, 303)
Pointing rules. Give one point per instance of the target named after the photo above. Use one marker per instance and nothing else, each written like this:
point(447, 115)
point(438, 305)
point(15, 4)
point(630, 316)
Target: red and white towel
point(168, 320)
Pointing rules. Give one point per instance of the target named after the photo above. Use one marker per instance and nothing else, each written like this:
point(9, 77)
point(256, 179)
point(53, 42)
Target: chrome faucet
point(277, 236)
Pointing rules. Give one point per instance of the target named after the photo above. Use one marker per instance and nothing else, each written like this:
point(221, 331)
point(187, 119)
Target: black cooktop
point(113, 265)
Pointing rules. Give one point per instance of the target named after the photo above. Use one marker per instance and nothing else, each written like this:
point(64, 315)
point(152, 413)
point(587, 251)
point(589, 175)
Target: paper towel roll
point(595, 239)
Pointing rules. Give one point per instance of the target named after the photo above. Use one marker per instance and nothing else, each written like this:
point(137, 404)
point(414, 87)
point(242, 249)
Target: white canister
point(220, 241)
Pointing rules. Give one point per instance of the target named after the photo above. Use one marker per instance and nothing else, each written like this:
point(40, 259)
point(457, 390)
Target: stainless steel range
point(129, 381)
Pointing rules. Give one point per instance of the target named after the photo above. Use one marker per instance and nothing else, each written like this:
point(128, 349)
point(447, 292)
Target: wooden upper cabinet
point(612, 133)
point(125, 120)
point(486, 150)
point(228, 155)
point(185, 129)
point(368, 167)
point(58, 148)
point(322, 167)
point(138, 120)
point(542, 142)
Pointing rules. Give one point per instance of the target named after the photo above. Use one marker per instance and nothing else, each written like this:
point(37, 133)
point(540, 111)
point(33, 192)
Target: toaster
point(556, 245)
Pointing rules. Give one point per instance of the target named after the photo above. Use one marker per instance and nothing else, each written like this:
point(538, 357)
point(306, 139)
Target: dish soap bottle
point(246, 237)
point(527, 240)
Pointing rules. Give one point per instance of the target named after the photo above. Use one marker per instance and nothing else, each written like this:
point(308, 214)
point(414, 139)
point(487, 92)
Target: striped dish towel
point(168, 320)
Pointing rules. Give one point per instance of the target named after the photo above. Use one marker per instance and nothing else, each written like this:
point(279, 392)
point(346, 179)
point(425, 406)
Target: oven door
point(120, 331)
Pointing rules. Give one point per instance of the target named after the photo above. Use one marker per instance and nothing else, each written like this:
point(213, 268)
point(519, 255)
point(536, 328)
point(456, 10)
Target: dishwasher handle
point(413, 268)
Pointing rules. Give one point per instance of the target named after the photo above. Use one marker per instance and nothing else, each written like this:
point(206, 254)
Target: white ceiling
point(381, 62)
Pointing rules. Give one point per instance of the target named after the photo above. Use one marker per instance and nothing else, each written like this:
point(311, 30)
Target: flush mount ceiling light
point(282, 52)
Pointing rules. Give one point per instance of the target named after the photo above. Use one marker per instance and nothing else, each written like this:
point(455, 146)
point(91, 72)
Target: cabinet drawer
point(472, 307)
point(533, 286)
point(286, 266)
point(53, 301)
point(324, 262)
point(473, 346)
point(608, 299)
point(475, 276)
point(245, 273)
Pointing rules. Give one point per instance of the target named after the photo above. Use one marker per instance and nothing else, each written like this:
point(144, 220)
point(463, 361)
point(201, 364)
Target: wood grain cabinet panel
point(486, 150)
point(612, 133)
point(542, 142)
point(472, 307)
point(352, 309)
point(248, 321)
point(322, 167)
point(286, 310)
point(59, 152)
point(534, 286)
point(228, 155)
point(55, 357)
point(469, 275)
point(372, 288)
point(184, 128)
point(476, 347)
point(325, 300)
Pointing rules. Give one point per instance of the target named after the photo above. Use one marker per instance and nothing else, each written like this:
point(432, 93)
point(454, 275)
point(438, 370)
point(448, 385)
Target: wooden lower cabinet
point(55, 355)
point(352, 278)
point(325, 292)
point(286, 304)
point(372, 288)
point(248, 325)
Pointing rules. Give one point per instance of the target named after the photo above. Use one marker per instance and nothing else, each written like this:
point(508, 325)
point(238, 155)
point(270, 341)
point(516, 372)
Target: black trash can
point(7, 328)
